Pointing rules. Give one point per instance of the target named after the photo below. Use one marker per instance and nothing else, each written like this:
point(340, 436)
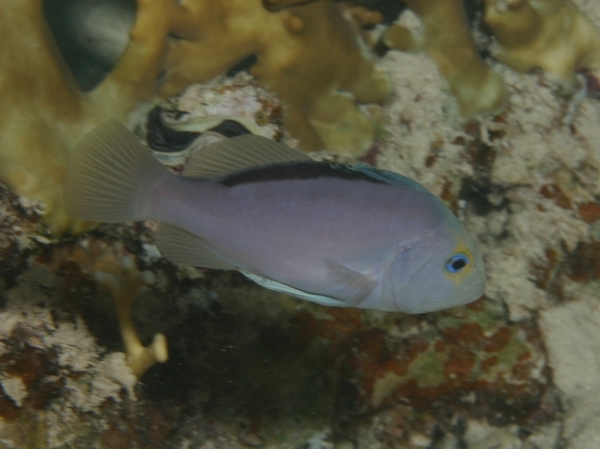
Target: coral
point(125, 290)
point(251, 368)
point(525, 183)
point(114, 269)
point(53, 373)
point(443, 32)
point(553, 35)
point(46, 112)
point(308, 55)
point(204, 107)
point(470, 352)
point(59, 386)
point(278, 5)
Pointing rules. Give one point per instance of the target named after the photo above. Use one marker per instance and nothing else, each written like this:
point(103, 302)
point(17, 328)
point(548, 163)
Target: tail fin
point(110, 175)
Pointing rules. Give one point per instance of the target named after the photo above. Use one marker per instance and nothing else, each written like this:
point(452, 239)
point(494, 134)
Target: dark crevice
point(243, 66)
point(164, 139)
point(91, 35)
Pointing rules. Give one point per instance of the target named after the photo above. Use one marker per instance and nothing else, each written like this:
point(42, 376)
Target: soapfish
point(334, 234)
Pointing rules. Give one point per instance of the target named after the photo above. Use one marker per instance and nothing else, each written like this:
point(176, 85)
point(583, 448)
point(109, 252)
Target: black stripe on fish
point(299, 170)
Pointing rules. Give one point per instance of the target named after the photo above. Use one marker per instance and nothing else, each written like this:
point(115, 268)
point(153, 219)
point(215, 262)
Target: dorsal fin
point(388, 177)
point(237, 154)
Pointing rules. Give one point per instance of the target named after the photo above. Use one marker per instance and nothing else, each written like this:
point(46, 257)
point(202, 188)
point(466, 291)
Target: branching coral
point(550, 34)
point(116, 271)
point(278, 5)
point(44, 111)
point(125, 282)
point(446, 38)
point(308, 54)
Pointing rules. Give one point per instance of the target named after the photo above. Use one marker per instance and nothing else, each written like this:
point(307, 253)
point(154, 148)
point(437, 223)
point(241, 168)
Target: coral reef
point(251, 368)
point(49, 112)
point(171, 46)
point(248, 367)
point(553, 35)
point(526, 184)
point(115, 270)
point(43, 358)
point(206, 107)
point(308, 55)
point(574, 358)
point(58, 387)
point(442, 31)
point(46, 113)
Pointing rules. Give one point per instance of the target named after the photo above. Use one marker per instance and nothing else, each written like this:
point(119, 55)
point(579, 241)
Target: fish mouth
point(465, 296)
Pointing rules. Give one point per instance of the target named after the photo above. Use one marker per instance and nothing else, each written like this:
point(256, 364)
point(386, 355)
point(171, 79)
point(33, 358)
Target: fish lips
point(460, 298)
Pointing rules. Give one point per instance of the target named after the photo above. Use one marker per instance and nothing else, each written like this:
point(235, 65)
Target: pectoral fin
point(354, 286)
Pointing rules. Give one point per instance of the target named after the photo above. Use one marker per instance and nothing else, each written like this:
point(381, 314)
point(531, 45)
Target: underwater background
point(491, 104)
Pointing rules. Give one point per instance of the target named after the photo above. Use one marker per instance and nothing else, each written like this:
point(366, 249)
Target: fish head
point(440, 270)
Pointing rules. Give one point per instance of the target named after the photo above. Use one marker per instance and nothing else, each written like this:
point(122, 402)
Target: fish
point(334, 234)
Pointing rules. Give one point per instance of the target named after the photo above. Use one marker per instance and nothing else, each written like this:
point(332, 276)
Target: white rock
point(571, 334)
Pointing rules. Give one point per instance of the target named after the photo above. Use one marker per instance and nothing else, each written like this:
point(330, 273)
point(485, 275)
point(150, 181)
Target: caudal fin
point(110, 175)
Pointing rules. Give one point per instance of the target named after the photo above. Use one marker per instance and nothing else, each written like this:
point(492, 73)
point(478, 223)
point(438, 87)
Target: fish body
point(333, 234)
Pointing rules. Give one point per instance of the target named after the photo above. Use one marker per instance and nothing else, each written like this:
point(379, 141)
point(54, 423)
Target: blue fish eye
point(457, 263)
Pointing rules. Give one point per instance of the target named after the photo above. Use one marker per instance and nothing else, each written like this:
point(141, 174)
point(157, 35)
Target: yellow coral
point(115, 270)
point(308, 54)
point(550, 34)
point(446, 38)
point(125, 282)
point(44, 113)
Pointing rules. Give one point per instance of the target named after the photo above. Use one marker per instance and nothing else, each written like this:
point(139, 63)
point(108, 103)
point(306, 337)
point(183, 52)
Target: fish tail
point(110, 176)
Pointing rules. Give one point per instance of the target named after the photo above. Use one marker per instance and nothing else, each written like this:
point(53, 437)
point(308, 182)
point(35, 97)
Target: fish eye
point(457, 263)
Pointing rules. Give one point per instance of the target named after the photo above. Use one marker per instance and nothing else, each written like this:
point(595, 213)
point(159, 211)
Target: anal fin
point(286, 289)
point(180, 246)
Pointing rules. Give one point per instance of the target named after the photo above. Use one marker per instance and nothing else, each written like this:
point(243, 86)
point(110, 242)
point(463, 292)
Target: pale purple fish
point(333, 234)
